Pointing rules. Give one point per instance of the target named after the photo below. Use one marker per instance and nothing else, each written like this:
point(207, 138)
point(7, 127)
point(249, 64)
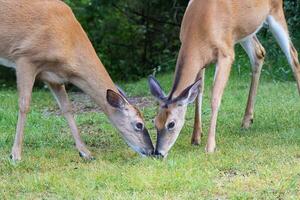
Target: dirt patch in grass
point(229, 175)
point(82, 103)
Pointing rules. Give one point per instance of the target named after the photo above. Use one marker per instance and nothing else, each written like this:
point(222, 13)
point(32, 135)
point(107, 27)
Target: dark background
point(135, 38)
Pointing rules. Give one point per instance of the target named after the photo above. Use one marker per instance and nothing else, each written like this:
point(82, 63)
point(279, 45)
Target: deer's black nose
point(158, 154)
point(148, 153)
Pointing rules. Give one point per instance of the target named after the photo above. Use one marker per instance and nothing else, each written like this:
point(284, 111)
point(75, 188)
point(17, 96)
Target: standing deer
point(41, 39)
point(209, 31)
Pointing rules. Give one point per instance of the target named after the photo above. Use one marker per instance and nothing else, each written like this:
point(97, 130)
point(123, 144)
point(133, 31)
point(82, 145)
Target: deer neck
point(94, 80)
point(191, 59)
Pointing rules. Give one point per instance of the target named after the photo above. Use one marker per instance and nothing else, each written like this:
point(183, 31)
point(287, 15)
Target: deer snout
point(148, 152)
point(149, 148)
point(160, 155)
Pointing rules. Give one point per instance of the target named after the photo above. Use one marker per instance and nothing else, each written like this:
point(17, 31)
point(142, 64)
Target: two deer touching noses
point(43, 40)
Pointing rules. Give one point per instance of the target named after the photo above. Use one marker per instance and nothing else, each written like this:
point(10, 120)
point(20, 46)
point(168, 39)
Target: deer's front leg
point(221, 77)
point(26, 73)
point(61, 97)
point(197, 132)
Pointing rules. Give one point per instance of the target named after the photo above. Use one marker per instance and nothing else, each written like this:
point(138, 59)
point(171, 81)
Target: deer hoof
point(247, 123)
point(195, 142)
point(15, 158)
point(86, 156)
point(210, 149)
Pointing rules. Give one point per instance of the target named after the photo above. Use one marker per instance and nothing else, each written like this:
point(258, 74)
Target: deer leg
point(295, 64)
point(221, 78)
point(26, 73)
point(197, 132)
point(60, 94)
point(256, 54)
point(279, 29)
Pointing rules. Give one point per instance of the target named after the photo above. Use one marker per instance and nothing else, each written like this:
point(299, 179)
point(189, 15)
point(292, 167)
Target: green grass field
point(260, 163)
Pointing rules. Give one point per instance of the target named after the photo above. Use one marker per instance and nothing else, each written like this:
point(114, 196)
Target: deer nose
point(149, 152)
point(152, 152)
point(158, 154)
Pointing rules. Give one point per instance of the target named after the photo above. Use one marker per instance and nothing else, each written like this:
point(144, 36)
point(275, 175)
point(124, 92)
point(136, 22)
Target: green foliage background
point(132, 37)
point(135, 38)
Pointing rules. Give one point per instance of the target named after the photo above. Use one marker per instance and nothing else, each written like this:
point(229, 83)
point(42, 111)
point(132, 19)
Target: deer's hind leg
point(61, 97)
point(256, 54)
point(279, 29)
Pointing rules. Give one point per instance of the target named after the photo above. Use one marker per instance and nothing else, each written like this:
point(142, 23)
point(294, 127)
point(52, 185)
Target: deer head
point(171, 115)
point(130, 123)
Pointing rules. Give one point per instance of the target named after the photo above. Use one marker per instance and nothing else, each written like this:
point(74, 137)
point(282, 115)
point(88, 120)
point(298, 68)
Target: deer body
point(209, 31)
point(43, 40)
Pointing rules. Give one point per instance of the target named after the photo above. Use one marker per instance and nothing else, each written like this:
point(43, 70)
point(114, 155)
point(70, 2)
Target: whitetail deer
point(209, 31)
point(42, 39)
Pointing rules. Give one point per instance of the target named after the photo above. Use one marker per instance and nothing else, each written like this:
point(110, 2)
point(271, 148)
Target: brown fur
point(161, 119)
point(33, 33)
point(209, 31)
point(45, 41)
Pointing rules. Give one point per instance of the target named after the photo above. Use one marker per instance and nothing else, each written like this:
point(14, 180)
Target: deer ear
point(122, 93)
point(155, 89)
point(115, 100)
point(189, 94)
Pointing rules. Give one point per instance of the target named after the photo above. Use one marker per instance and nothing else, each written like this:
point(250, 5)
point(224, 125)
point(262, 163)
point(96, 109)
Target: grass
point(260, 163)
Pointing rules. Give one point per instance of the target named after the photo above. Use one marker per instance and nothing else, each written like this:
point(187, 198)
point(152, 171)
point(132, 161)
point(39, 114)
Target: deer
point(209, 32)
point(42, 40)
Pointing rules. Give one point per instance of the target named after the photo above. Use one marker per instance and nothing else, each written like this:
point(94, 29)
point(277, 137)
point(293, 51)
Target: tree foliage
point(133, 38)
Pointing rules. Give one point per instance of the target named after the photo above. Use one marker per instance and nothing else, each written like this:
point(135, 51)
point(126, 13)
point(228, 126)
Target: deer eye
point(139, 126)
point(171, 125)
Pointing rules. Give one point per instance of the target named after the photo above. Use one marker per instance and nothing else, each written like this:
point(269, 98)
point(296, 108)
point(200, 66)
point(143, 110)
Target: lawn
point(260, 163)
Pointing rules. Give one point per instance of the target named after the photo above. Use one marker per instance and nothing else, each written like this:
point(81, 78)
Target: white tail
point(43, 40)
point(209, 31)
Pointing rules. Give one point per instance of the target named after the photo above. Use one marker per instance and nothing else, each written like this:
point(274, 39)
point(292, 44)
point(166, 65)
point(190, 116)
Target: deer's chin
point(142, 152)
